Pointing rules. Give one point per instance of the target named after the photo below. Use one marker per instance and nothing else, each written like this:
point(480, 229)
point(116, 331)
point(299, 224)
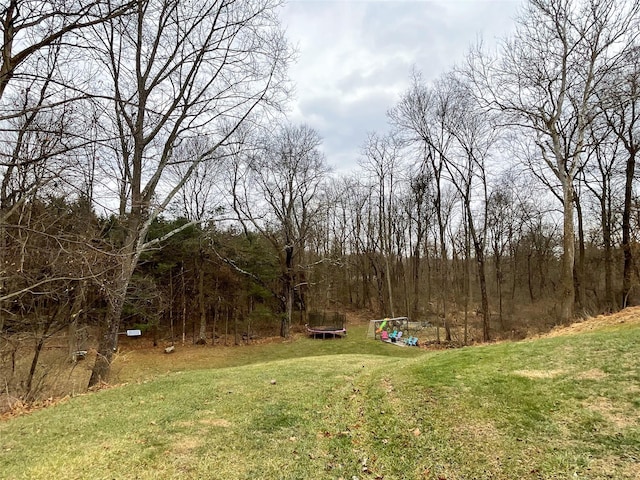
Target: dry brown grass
point(617, 417)
point(629, 315)
point(535, 374)
point(56, 376)
point(593, 374)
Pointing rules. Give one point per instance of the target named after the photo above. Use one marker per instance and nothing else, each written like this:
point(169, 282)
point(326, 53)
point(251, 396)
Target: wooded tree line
point(149, 179)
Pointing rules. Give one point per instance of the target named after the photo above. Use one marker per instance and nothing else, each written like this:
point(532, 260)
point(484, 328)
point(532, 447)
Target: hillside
point(630, 316)
point(561, 406)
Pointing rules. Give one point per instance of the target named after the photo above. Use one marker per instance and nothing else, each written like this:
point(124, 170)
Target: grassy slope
point(562, 407)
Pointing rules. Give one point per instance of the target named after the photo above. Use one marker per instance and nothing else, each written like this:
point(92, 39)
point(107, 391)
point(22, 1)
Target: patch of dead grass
point(216, 422)
point(633, 389)
point(629, 315)
point(185, 445)
point(602, 467)
point(209, 422)
point(480, 432)
point(593, 374)
point(536, 374)
point(615, 416)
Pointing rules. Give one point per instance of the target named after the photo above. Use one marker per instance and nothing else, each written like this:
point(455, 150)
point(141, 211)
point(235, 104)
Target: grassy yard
point(558, 407)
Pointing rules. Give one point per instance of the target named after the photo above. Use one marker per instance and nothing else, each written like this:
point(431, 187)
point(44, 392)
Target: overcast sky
point(355, 58)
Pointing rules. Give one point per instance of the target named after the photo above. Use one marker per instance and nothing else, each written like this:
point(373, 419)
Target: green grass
point(149, 363)
point(563, 407)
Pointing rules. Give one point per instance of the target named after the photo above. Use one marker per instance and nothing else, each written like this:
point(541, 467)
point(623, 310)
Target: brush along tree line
point(149, 179)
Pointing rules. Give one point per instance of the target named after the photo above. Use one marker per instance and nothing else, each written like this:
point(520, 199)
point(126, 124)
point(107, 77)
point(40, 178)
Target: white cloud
point(355, 58)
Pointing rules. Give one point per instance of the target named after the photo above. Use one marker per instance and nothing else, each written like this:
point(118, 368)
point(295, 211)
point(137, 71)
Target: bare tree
point(420, 120)
point(199, 200)
point(544, 82)
point(382, 162)
point(420, 212)
point(178, 70)
point(619, 96)
point(43, 106)
point(31, 26)
point(353, 200)
point(599, 177)
point(51, 245)
point(474, 132)
point(278, 195)
point(502, 230)
point(331, 246)
point(43, 86)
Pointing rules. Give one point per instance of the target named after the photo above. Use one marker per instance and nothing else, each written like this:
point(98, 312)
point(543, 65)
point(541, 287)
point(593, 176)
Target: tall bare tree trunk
point(484, 297)
point(108, 342)
point(389, 288)
point(499, 279)
point(466, 276)
point(202, 334)
point(482, 277)
point(626, 228)
point(605, 212)
point(287, 292)
point(567, 292)
point(579, 280)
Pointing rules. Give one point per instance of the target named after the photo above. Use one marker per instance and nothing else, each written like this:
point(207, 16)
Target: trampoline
point(323, 325)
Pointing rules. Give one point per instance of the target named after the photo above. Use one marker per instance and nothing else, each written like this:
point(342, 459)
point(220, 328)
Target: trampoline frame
point(328, 326)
